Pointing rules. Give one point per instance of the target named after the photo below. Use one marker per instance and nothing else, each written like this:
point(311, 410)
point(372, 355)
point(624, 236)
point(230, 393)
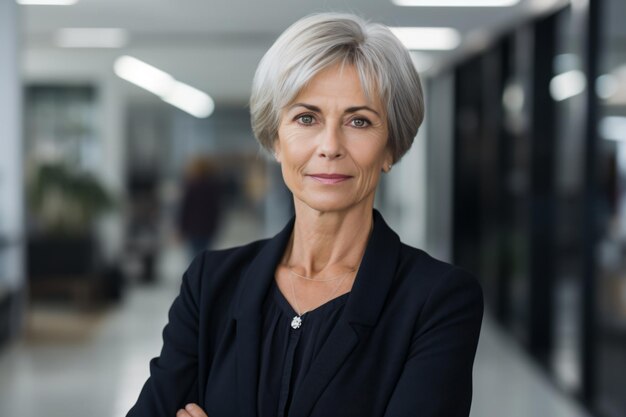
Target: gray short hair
point(318, 41)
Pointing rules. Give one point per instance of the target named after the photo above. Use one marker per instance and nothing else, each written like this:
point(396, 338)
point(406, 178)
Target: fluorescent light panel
point(614, 86)
point(91, 38)
point(567, 84)
point(514, 97)
point(607, 86)
point(143, 75)
point(613, 128)
point(455, 3)
point(190, 99)
point(427, 38)
point(160, 83)
point(47, 2)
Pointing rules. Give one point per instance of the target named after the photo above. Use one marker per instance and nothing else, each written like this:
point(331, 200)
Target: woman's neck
point(327, 243)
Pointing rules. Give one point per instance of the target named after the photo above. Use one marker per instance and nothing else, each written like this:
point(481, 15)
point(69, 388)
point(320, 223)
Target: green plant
point(65, 201)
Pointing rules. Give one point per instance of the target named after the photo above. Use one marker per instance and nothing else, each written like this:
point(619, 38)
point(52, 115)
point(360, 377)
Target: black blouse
point(287, 353)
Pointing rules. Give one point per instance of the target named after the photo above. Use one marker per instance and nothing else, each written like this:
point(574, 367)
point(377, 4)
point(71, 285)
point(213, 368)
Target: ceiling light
point(613, 128)
point(47, 2)
point(612, 87)
point(190, 99)
point(160, 83)
point(514, 97)
point(425, 38)
point(143, 75)
point(91, 38)
point(455, 3)
point(567, 84)
point(607, 86)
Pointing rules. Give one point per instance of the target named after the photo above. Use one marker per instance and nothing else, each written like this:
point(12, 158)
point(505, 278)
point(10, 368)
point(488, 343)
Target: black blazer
point(404, 345)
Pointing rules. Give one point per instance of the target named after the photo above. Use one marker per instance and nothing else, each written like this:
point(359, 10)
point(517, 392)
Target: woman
point(334, 316)
point(200, 206)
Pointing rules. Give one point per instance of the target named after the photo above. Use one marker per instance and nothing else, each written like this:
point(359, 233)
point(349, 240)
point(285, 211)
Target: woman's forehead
point(342, 82)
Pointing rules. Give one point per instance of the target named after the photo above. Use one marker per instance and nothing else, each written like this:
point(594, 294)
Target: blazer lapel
point(255, 284)
point(364, 305)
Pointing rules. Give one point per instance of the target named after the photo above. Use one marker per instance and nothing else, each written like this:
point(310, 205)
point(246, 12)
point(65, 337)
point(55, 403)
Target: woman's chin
point(327, 205)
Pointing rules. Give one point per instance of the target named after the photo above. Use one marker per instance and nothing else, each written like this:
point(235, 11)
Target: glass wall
point(539, 178)
point(611, 208)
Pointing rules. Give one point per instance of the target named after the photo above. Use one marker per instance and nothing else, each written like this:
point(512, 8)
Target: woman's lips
point(330, 178)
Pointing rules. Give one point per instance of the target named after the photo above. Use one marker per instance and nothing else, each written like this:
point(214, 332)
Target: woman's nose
point(331, 143)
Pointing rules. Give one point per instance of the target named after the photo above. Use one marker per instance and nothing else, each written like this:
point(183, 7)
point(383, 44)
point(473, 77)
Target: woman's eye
point(360, 122)
point(306, 119)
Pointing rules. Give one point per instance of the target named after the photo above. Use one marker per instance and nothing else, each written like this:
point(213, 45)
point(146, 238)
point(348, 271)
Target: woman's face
point(332, 142)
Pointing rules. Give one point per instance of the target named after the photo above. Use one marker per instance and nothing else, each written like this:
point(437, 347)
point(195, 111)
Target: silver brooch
point(296, 322)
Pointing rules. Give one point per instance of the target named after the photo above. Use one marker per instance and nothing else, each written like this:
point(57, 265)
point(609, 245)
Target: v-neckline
point(291, 312)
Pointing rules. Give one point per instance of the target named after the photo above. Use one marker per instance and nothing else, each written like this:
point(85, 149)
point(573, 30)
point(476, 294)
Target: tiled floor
point(507, 383)
point(98, 368)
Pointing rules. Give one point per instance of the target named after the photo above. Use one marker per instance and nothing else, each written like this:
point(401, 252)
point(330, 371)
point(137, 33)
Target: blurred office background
point(115, 114)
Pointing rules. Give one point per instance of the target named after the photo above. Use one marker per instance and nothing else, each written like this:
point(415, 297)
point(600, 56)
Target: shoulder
point(224, 258)
point(211, 269)
point(421, 274)
point(443, 295)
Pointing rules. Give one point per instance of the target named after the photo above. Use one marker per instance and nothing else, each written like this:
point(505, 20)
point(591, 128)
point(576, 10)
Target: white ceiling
point(216, 45)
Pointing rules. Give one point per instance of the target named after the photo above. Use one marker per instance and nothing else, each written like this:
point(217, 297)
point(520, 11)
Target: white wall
point(440, 168)
point(403, 194)
point(113, 164)
point(12, 276)
point(11, 194)
point(416, 197)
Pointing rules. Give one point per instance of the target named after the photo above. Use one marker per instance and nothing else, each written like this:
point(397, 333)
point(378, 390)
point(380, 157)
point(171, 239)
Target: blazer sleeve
point(173, 380)
point(437, 377)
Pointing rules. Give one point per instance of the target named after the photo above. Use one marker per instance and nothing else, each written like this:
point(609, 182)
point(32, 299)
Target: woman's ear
point(387, 162)
point(276, 151)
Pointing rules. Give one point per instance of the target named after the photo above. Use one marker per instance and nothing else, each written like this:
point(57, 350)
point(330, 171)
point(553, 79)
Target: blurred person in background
point(333, 316)
point(200, 207)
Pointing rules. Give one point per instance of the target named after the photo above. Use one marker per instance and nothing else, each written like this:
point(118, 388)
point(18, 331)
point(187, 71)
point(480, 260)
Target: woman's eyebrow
point(348, 110)
point(306, 106)
point(357, 108)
